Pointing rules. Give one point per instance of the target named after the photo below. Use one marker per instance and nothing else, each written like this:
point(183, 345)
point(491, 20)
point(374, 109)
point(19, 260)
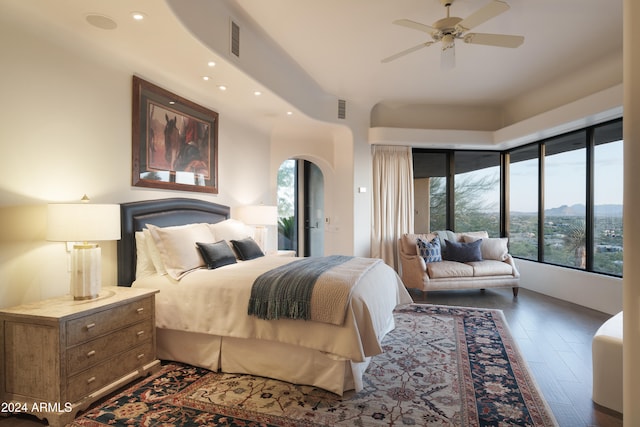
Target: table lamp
point(83, 224)
point(260, 216)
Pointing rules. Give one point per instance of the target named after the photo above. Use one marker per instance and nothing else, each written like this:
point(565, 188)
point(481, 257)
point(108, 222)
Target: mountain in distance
point(579, 210)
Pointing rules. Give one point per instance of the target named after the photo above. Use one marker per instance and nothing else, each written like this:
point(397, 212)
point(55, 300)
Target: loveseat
point(445, 260)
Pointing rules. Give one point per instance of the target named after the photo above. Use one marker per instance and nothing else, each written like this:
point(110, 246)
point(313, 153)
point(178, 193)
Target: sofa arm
point(512, 263)
point(413, 270)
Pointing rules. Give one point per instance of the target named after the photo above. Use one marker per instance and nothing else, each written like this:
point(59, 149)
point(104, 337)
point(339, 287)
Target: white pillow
point(144, 264)
point(231, 229)
point(177, 246)
point(154, 253)
point(491, 247)
point(475, 235)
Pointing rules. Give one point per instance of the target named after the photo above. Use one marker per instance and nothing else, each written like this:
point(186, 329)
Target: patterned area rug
point(442, 366)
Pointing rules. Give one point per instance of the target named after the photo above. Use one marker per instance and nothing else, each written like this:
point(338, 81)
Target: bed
point(201, 313)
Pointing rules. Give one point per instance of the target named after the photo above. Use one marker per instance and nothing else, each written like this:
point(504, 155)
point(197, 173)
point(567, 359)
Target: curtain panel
point(393, 207)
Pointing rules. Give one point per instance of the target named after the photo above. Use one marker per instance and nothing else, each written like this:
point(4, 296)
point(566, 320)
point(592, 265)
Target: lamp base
point(86, 273)
point(260, 236)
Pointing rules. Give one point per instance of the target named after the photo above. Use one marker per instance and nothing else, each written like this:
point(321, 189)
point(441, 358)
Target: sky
point(565, 179)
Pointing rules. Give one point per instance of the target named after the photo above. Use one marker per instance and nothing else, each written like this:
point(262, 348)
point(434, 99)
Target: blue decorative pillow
point(430, 251)
point(463, 252)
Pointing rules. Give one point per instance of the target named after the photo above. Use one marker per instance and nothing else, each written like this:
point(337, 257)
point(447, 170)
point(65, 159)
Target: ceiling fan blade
point(500, 40)
point(415, 25)
point(406, 52)
point(495, 8)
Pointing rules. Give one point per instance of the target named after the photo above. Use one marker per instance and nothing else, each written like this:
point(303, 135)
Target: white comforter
point(215, 302)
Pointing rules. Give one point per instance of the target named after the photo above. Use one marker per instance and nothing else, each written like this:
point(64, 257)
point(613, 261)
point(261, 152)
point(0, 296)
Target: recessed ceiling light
point(289, 113)
point(172, 102)
point(211, 64)
point(101, 21)
point(205, 78)
point(222, 87)
point(138, 16)
point(257, 93)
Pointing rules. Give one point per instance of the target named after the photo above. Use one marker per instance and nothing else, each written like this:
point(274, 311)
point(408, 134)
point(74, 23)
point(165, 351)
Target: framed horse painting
point(174, 141)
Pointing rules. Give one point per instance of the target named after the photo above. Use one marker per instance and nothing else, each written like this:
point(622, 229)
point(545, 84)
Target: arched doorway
point(301, 207)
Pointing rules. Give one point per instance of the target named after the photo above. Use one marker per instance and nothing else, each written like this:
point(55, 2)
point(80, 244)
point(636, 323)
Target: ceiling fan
point(447, 30)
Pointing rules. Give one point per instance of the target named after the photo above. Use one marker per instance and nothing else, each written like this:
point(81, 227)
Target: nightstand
point(61, 355)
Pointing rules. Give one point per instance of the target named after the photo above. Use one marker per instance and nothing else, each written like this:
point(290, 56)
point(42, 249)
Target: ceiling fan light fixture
point(447, 41)
point(448, 57)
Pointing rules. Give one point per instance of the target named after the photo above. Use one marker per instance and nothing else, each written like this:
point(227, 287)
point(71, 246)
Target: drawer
point(81, 385)
point(95, 351)
point(103, 322)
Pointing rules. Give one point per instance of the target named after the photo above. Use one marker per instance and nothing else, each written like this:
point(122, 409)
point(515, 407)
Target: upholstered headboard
point(163, 213)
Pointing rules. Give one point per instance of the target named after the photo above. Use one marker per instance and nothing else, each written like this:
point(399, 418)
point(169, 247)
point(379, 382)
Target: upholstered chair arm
point(512, 263)
point(414, 270)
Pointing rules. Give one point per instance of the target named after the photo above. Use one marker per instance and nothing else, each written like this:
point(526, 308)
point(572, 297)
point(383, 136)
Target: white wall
point(66, 131)
point(596, 291)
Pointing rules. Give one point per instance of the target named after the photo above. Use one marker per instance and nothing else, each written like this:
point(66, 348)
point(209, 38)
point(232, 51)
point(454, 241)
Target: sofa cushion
point(491, 248)
point(429, 250)
point(462, 252)
point(448, 269)
point(445, 235)
point(476, 234)
point(490, 267)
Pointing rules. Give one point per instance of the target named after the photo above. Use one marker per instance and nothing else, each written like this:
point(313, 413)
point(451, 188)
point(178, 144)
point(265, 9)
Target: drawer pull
point(140, 333)
point(140, 356)
point(90, 380)
point(90, 326)
point(91, 353)
point(140, 310)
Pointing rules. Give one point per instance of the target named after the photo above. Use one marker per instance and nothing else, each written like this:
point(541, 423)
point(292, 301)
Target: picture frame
point(174, 141)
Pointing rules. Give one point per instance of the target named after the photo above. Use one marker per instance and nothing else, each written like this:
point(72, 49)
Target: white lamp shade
point(258, 215)
point(82, 222)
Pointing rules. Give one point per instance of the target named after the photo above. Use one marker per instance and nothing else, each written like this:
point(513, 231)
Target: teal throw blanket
point(285, 291)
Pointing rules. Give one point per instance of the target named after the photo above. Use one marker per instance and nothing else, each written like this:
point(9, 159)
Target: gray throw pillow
point(247, 249)
point(463, 252)
point(216, 254)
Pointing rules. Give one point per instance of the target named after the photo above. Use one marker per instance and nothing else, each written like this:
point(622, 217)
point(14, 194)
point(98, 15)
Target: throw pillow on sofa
point(445, 235)
point(491, 248)
point(429, 251)
point(463, 252)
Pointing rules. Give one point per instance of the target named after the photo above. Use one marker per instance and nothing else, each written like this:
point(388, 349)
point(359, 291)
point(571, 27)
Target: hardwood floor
point(554, 337)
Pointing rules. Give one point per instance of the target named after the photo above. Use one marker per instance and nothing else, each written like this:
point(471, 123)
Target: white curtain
point(392, 200)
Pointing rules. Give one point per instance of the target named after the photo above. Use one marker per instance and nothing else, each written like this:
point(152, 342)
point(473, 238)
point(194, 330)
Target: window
point(607, 198)
point(565, 190)
point(465, 201)
point(430, 188)
point(477, 191)
point(523, 202)
point(287, 190)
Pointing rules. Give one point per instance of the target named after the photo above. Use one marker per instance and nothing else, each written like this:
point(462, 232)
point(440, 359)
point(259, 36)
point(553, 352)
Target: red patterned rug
point(442, 366)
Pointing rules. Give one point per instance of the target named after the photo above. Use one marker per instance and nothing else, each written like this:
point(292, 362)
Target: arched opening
point(301, 207)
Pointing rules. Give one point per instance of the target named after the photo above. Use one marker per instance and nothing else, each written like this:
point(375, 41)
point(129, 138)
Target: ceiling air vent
point(342, 109)
point(235, 39)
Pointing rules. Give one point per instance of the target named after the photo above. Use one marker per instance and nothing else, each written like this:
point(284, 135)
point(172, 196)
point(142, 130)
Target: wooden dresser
point(61, 355)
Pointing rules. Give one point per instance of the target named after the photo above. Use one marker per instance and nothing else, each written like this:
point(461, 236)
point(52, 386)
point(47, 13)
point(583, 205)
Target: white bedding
point(215, 302)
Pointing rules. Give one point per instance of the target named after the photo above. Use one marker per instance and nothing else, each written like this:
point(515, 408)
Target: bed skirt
point(261, 358)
